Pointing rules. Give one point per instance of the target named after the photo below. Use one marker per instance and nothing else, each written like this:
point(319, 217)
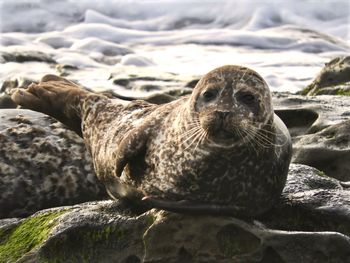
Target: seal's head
point(231, 104)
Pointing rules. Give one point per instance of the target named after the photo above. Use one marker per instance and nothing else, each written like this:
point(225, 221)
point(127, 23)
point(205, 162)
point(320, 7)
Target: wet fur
point(183, 150)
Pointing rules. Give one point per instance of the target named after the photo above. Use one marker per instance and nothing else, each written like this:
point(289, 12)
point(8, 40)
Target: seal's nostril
point(223, 114)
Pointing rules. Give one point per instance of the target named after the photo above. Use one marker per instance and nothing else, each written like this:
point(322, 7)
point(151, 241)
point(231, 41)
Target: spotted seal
point(221, 150)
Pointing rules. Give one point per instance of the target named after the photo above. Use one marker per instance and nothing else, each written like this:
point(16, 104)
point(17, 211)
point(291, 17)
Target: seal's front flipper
point(131, 147)
point(28, 100)
point(54, 96)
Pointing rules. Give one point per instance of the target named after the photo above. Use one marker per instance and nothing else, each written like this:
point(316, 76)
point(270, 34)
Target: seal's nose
point(223, 114)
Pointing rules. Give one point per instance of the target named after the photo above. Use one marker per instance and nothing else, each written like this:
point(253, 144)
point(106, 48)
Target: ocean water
point(287, 41)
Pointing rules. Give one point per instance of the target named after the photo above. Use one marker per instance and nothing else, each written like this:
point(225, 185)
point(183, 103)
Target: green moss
point(306, 90)
point(84, 244)
point(150, 220)
point(89, 242)
point(343, 93)
point(321, 173)
point(234, 241)
point(27, 236)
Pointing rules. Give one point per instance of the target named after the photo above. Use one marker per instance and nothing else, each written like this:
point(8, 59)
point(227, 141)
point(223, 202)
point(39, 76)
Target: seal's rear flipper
point(57, 97)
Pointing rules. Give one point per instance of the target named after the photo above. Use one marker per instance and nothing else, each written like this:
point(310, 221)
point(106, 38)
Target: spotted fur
point(186, 149)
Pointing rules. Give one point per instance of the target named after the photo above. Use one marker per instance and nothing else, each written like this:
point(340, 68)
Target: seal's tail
point(57, 97)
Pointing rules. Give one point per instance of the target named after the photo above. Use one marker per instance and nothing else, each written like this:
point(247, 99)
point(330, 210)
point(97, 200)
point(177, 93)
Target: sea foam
point(286, 41)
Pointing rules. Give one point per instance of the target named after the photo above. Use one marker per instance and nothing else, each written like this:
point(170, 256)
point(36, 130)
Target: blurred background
point(98, 42)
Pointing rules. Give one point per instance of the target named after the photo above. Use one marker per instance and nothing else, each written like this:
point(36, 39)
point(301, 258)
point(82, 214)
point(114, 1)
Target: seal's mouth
point(223, 136)
point(192, 207)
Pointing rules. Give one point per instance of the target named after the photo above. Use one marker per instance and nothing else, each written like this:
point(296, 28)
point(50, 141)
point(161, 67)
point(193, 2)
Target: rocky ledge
point(311, 222)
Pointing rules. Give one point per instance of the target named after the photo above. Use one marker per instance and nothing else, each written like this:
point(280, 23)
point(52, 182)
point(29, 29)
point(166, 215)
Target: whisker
point(264, 135)
point(189, 131)
point(198, 134)
point(261, 141)
point(200, 140)
point(249, 138)
point(191, 136)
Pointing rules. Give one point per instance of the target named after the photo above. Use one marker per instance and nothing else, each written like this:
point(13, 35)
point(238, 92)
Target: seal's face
point(232, 103)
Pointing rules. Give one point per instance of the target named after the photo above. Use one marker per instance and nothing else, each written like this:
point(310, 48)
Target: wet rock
point(26, 56)
point(156, 97)
point(327, 150)
point(192, 83)
point(148, 87)
point(121, 81)
point(311, 223)
point(307, 114)
point(332, 78)
point(147, 84)
point(65, 70)
point(19, 82)
point(319, 127)
point(6, 102)
point(311, 201)
point(42, 165)
point(151, 80)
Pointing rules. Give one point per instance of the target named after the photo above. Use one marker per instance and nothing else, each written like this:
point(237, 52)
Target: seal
point(221, 150)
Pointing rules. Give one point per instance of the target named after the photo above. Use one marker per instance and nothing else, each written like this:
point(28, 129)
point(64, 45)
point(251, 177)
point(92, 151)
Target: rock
point(6, 102)
point(310, 224)
point(156, 97)
point(65, 70)
point(179, 92)
point(327, 150)
point(163, 90)
point(121, 81)
point(330, 79)
point(160, 98)
point(19, 82)
point(26, 56)
point(42, 165)
point(307, 114)
point(192, 83)
point(311, 201)
point(148, 79)
point(147, 84)
point(319, 126)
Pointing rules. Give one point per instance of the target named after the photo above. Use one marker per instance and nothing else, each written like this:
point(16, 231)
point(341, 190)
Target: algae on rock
point(26, 236)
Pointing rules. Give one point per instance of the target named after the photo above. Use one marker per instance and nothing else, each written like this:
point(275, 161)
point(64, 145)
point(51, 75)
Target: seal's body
point(220, 150)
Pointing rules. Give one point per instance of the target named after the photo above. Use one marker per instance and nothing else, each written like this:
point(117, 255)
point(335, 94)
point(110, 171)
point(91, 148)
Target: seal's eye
point(209, 95)
point(247, 98)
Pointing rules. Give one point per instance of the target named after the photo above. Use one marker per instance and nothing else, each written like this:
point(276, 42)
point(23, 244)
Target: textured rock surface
point(315, 208)
point(328, 150)
point(320, 129)
point(310, 114)
point(42, 164)
point(25, 56)
point(157, 87)
point(333, 79)
point(17, 82)
point(6, 102)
